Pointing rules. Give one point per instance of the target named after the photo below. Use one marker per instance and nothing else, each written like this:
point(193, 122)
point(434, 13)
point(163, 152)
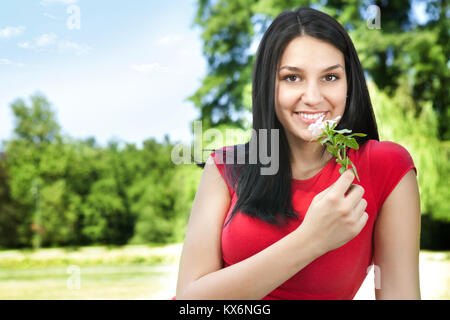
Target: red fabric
point(338, 274)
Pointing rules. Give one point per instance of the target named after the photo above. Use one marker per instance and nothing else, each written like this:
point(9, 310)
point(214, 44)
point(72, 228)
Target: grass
point(128, 272)
point(96, 282)
point(142, 272)
point(53, 257)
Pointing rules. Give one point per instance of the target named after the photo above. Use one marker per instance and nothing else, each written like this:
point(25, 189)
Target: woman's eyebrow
point(291, 68)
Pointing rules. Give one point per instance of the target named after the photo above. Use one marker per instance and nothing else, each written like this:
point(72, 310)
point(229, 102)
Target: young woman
point(306, 232)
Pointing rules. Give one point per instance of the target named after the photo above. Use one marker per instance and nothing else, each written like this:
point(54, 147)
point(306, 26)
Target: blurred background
point(95, 95)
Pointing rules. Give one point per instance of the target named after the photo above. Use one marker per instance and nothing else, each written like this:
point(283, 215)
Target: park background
point(95, 95)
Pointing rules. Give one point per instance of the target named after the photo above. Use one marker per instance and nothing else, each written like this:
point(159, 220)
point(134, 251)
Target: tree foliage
point(55, 190)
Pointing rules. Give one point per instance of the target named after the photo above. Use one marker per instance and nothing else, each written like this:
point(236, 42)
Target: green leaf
point(340, 139)
point(343, 131)
point(354, 170)
point(333, 140)
point(358, 135)
point(317, 137)
point(334, 126)
point(331, 149)
point(351, 143)
point(341, 170)
point(325, 140)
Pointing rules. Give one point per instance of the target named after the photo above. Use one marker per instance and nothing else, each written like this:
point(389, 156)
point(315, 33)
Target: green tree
point(56, 190)
point(419, 136)
point(9, 218)
point(107, 217)
point(36, 123)
point(35, 129)
point(162, 197)
point(36, 158)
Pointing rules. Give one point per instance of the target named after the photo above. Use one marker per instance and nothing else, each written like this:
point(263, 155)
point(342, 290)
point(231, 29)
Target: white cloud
point(50, 41)
point(25, 45)
point(44, 40)
point(47, 2)
point(50, 16)
point(70, 46)
point(10, 32)
point(4, 61)
point(149, 68)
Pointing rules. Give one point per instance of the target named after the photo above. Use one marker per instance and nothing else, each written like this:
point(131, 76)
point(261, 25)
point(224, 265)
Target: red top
point(338, 274)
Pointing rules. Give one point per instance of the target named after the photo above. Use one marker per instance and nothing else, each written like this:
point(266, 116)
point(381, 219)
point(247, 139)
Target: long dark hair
point(268, 196)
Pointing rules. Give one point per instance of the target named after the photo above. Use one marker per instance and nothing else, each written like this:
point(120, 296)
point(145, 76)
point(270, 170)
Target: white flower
point(316, 127)
point(331, 122)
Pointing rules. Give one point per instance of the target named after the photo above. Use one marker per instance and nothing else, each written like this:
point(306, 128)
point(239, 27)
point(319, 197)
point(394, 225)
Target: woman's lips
point(309, 121)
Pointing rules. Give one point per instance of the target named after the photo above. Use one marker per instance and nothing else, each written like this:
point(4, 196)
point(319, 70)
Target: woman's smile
point(309, 117)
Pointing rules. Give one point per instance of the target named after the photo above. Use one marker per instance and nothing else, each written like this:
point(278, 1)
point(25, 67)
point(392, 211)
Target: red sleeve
point(219, 159)
point(389, 162)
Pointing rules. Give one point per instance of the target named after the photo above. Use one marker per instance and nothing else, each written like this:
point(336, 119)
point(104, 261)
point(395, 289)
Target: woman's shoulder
point(386, 150)
point(379, 157)
point(388, 162)
point(223, 158)
point(386, 157)
point(227, 154)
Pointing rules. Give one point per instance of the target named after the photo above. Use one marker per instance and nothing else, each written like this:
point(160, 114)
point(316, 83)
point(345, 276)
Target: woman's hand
point(334, 217)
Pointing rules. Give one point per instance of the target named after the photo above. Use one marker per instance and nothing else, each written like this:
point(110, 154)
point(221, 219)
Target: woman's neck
point(306, 162)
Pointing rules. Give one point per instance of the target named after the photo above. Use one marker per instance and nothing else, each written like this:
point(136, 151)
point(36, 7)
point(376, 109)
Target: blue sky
point(123, 70)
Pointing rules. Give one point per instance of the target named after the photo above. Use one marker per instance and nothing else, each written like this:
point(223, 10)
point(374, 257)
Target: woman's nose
point(312, 95)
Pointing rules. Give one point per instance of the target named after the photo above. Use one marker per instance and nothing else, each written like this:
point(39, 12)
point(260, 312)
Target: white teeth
point(311, 116)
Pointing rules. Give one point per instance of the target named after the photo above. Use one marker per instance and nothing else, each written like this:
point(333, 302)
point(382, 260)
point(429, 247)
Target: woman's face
point(310, 82)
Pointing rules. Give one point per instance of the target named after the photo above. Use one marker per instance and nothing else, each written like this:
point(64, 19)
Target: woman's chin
point(307, 137)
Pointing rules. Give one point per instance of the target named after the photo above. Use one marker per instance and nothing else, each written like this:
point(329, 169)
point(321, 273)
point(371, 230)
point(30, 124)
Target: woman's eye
point(331, 77)
point(291, 78)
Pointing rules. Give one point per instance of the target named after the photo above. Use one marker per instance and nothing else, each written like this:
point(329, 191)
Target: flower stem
point(339, 154)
